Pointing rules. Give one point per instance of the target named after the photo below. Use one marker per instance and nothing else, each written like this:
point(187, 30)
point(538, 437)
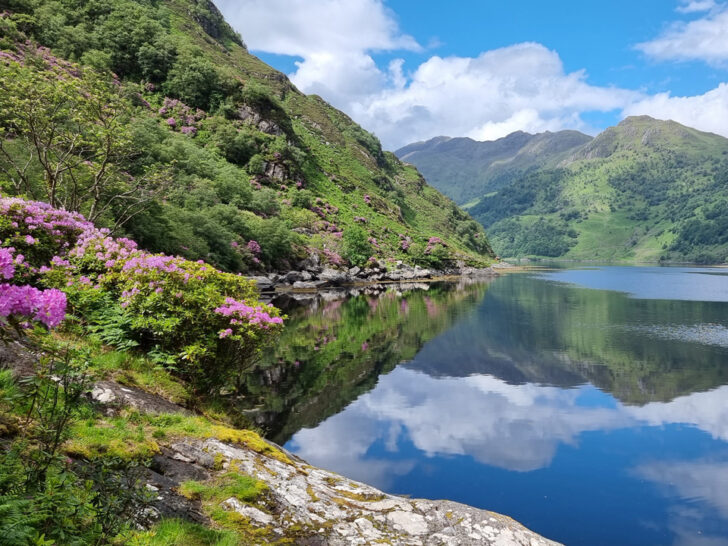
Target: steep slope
point(645, 190)
point(465, 169)
point(252, 174)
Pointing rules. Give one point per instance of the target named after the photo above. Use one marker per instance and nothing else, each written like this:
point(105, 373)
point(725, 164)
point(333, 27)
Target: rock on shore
point(317, 507)
point(314, 277)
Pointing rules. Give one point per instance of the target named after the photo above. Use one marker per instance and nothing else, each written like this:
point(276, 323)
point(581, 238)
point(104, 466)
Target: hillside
point(192, 146)
point(465, 169)
point(644, 190)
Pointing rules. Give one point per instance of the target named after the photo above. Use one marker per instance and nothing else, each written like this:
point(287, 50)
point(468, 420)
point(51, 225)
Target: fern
point(18, 520)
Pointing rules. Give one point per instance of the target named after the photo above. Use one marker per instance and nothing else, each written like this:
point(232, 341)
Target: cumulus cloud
point(707, 112)
point(519, 87)
point(303, 27)
point(705, 39)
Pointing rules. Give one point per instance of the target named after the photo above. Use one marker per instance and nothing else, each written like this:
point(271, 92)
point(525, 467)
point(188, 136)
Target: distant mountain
point(464, 169)
point(644, 190)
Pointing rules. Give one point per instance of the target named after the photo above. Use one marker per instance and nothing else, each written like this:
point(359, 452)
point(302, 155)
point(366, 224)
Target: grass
point(138, 436)
point(137, 371)
point(175, 532)
point(242, 487)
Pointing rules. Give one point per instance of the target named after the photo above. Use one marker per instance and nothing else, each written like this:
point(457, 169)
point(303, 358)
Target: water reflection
point(561, 405)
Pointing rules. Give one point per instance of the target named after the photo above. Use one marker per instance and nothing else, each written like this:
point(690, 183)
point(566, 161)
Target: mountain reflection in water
point(558, 404)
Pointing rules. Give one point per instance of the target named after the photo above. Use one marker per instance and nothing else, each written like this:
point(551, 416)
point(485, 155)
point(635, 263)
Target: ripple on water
point(706, 334)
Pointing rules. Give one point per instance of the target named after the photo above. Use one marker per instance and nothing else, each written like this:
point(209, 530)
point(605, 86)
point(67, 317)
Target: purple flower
point(254, 247)
point(7, 269)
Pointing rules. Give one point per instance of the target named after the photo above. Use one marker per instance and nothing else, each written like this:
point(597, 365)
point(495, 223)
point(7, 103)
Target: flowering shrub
point(180, 307)
point(26, 302)
point(332, 257)
point(181, 116)
point(20, 304)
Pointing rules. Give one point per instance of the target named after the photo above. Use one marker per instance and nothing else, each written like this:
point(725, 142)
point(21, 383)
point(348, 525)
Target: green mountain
point(644, 190)
point(465, 169)
point(192, 146)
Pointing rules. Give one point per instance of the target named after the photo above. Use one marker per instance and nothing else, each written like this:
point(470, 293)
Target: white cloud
point(304, 27)
point(696, 6)
point(704, 39)
point(519, 87)
point(707, 112)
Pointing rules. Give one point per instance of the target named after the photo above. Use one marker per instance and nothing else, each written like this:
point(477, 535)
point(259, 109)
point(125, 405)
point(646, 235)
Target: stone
point(332, 276)
point(251, 512)
point(410, 523)
point(264, 284)
point(292, 276)
point(354, 271)
point(309, 285)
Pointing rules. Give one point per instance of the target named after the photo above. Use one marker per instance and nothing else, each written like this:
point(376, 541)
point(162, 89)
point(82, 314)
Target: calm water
point(589, 404)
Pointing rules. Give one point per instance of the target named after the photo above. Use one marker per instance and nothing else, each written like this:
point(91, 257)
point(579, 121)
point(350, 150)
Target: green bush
point(357, 248)
point(187, 309)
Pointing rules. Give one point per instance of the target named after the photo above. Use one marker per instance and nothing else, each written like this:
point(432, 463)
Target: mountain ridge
point(484, 166)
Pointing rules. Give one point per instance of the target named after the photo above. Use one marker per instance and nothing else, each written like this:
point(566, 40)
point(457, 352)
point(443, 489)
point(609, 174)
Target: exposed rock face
point(248, 115)
point(326, 508)
point(112, 395)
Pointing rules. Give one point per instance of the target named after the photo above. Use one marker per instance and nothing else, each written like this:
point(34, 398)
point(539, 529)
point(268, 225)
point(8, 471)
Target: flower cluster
point(7, 267)
point(367, 200)
point(181, 116)
point(432, 243)
point(332, 257)
point(405, 244)
point(45, 306)
point(360, 219)
point(254, 247)
point(242, 313)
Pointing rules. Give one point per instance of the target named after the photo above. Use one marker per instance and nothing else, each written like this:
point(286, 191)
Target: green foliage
point(44, 498)
point(196, 81)
point(174, 532)
point(357, 248)
point(174, 307)
point(659, 196)
point(252, 122)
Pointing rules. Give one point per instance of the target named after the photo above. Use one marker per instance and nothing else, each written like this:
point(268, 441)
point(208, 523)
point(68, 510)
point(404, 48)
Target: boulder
point(309, 285)
point(333, 276)
point(264, 284)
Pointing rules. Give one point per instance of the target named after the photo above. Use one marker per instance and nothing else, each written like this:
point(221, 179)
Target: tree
point(64, 138)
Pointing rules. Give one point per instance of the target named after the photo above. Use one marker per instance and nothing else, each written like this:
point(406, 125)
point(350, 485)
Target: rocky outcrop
point(303, 504)
point(248, 115)
point(317, 507)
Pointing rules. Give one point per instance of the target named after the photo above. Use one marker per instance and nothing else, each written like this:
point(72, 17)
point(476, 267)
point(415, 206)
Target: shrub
point(357, 248)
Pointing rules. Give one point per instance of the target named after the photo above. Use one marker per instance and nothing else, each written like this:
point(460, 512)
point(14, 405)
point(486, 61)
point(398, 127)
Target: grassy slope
point(336, 161)
point(327, 134)
point(627, 195)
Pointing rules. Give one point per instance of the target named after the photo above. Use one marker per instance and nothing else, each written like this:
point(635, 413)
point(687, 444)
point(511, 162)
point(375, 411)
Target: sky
point(410, 70)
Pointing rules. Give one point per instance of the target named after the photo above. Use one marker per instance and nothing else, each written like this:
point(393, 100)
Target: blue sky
point(410, 70)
